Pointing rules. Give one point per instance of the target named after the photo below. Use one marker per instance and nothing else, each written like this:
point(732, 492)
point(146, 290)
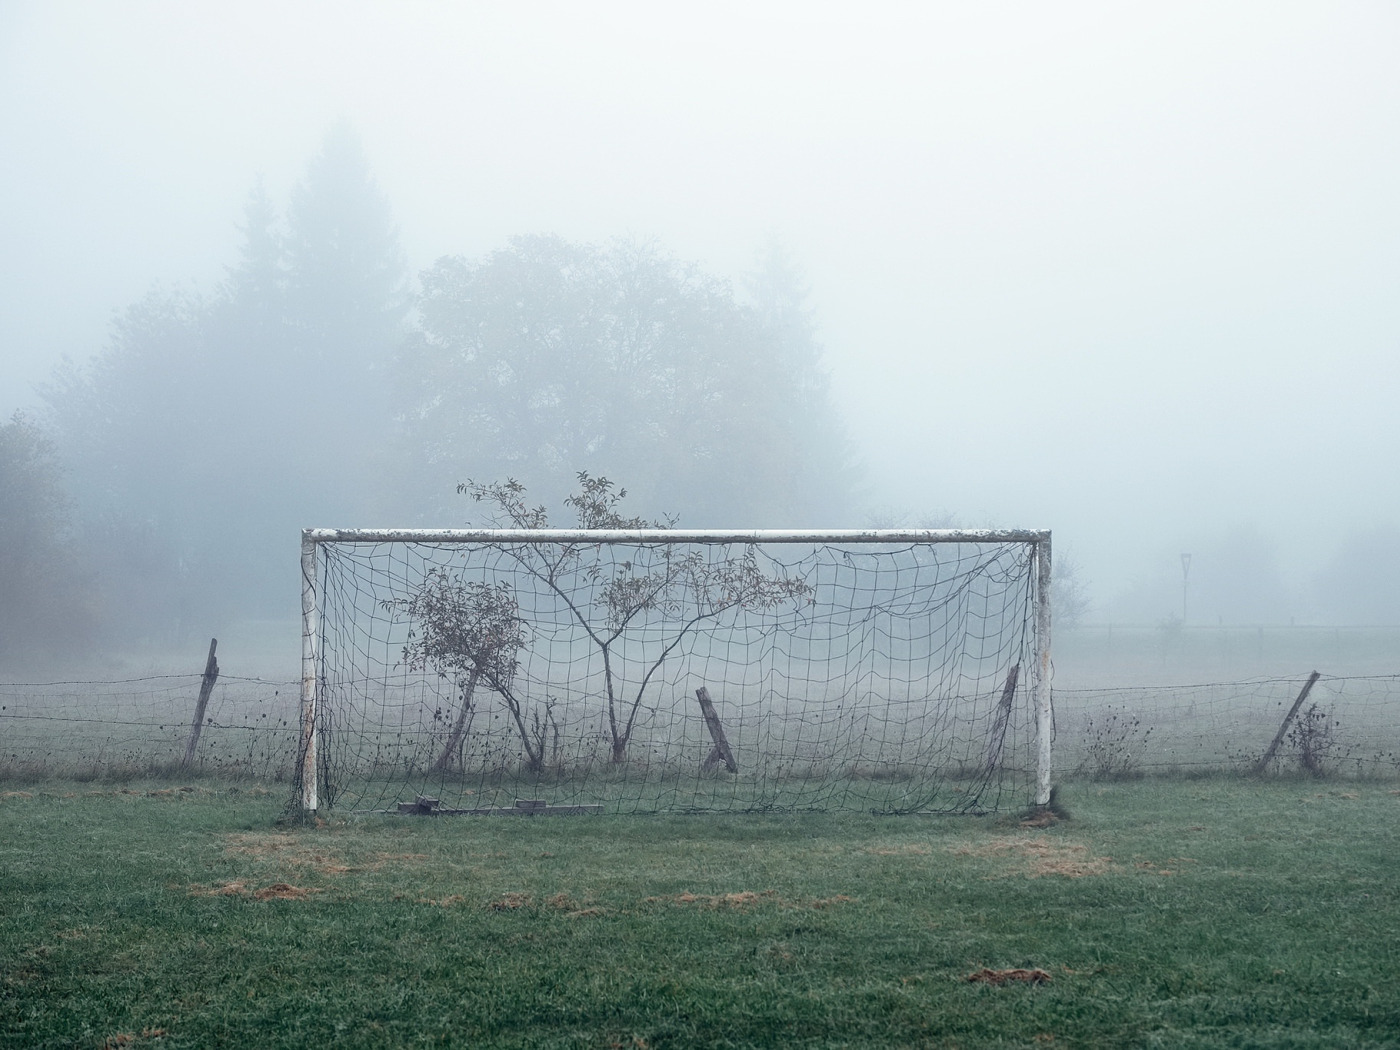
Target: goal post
point(459, 670)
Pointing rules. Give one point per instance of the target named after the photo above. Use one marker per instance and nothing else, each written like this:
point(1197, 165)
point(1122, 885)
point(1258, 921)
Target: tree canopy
point(219, 424)
point(310, 388)
point(548, 358)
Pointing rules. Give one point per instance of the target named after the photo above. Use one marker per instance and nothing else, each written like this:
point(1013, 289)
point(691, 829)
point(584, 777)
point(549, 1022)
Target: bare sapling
point(677, 592)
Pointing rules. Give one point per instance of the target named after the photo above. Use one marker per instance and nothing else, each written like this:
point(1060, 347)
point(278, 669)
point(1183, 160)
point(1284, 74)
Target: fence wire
point(1348, 727)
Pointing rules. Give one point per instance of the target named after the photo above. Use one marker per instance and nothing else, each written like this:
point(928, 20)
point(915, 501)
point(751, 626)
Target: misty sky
point(1128, 272)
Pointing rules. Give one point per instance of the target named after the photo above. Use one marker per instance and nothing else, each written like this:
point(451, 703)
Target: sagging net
point(891, 677)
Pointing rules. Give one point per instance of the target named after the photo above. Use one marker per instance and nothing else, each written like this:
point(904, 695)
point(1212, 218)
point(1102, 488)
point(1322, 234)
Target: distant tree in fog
point(813, 440)
point(131, 427)
point(47, 607)
point(547, 358)
point(346, 279)
point(1069, 595)
point(1360, 584)
point(214, 427)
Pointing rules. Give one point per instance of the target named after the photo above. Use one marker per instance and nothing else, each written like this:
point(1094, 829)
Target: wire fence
point(142, 727)
point(1345, 727)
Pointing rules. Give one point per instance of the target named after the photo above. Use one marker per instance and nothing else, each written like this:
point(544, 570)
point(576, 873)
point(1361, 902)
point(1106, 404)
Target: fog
point(1126, 272)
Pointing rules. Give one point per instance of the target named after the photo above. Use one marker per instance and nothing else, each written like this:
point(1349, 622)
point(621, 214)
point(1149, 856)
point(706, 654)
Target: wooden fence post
point(1287, 721)
point(721, 749)
point(211, 675)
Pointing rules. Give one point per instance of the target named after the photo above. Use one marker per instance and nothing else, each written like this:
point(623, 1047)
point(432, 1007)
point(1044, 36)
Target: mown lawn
point(1171, 914)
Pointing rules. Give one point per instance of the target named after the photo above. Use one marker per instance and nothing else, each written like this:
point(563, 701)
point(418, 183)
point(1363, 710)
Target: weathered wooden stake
point(1287, 721)
point(211, 675)
point(721, 752)
point(999, 724)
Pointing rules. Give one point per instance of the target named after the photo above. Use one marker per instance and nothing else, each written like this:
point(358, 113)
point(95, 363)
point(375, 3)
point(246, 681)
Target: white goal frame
point(1037, 539)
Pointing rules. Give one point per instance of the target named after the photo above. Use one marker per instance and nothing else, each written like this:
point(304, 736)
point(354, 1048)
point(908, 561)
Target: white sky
point(1130, 272)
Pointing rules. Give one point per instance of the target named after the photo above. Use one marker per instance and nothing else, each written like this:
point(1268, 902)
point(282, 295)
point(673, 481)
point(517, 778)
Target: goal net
point(656, 670)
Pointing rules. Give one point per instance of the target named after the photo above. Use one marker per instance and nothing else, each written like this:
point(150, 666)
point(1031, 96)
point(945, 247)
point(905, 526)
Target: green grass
point(1168, 913)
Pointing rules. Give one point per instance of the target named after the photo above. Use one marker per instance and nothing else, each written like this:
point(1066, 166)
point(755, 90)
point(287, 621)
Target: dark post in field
point(721, 750)
point(1287, 721)
point(206, 686)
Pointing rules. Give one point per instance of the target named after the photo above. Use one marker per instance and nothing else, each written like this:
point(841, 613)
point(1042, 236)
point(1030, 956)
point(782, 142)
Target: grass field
point(1173, 913)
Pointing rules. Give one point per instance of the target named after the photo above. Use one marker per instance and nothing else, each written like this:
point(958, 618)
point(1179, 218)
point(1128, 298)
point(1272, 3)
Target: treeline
point(319, 385)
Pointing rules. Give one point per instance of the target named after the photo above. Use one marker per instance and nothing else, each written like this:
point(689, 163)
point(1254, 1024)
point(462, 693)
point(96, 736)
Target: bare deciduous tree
point(682, 587)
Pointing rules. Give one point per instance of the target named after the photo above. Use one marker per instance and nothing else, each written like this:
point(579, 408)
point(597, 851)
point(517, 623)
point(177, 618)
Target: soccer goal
point(650, 670)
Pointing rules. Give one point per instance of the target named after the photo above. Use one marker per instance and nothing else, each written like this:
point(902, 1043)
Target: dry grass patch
point(436, 902)
point(742, 899)
point(225, 889)
point(574, 909)
point(285, 849)
point(913, 849)
point(281, 891)
point(278, 891)
point(986, 976)
point(747, 899)
point(510, 901)
point(1037, 858)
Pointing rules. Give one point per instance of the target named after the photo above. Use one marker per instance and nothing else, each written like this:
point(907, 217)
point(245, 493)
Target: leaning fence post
point(211, 675)
point(1287, 721)
point(721, 750)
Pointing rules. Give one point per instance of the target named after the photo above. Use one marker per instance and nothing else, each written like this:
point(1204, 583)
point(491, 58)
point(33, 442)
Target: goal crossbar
point(1039, 541)
point(675, 536)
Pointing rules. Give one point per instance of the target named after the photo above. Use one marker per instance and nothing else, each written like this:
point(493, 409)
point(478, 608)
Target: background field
point(1182, 913)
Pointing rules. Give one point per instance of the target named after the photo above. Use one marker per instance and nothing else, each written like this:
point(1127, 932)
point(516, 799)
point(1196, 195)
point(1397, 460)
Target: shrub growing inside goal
point(637, 667)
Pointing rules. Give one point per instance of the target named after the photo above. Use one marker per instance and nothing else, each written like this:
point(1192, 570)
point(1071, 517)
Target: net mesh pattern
point(878, 677)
